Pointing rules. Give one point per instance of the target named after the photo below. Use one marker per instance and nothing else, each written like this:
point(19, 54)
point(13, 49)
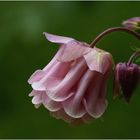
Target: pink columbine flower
point(73, 85)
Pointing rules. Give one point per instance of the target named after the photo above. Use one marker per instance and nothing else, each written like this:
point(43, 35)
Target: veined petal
point(54, 60)
point(73, 50)
point(33, 93)
point(37, 99)
point(100, 108)
point(50, 104)
point(94, 101)
point(98, 60)
point(57, 39)
point(56, 74)
point(40, 97)
point(36, 76)
point(64, 90)
point(39, 74)
point(47, 82)
point(74, 105)
point(73, 108)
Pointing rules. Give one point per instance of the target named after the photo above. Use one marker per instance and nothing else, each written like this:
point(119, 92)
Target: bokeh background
point(23, 49)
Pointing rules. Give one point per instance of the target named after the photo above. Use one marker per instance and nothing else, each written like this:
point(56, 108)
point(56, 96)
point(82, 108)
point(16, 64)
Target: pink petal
point(54, 60)
point(74, 105)
point(37, 99)
point(40, 97)
point(57, 39)
point(36, 76)
point(100, 108)
point(98, 60)
point(73, 108)
point(101, 103)
point(94, 101)
point(64, 90)
point(53, 77)
point(59, 96)
point(33, 93)
point(50, 104)
point(73, 50)
point(70, 48)
point(39, 74)
point(46, 82)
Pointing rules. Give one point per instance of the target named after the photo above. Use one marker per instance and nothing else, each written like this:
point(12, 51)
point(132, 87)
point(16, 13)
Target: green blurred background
point(23, 49)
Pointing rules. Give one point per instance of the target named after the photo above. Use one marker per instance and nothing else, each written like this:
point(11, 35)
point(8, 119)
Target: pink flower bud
point(132, 23)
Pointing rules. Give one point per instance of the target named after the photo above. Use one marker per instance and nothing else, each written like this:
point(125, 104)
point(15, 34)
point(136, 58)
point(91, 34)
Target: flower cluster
point(73, 85)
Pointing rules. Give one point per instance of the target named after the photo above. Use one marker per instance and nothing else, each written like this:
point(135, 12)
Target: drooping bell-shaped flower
point(132, 23)
point(127, 76)
point(73, 85)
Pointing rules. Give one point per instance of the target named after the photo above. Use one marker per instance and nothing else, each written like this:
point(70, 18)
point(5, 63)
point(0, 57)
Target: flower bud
point(132, 23)
point(126, 79)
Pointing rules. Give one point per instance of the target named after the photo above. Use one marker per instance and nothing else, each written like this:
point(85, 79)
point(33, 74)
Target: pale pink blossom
point(73, 85)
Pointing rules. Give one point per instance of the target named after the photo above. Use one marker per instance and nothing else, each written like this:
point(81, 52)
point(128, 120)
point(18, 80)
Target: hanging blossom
point(127, 76)
point(73, 85)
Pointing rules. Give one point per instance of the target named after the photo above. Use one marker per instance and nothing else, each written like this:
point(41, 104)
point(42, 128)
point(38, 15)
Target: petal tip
point(57, 39)
point(56, 96)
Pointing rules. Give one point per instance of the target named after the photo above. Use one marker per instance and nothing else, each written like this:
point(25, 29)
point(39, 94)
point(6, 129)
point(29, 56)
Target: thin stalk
point(110, 30)
point(133, 57)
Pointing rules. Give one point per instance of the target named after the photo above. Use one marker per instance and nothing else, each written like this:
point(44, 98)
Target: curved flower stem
point(133, 57)
point(110, 30)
